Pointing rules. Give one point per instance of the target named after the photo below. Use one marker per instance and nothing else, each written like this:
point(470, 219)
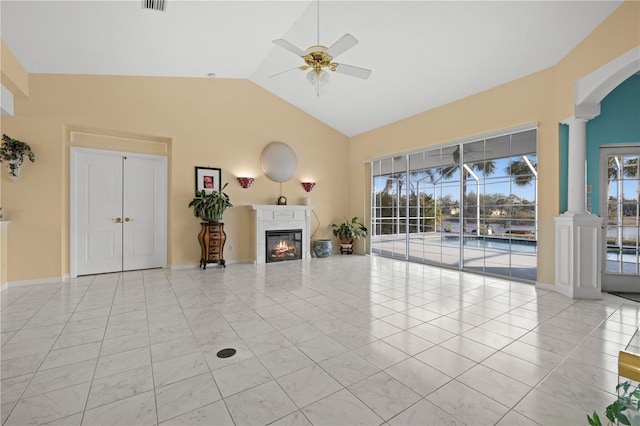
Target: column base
point(578, 255)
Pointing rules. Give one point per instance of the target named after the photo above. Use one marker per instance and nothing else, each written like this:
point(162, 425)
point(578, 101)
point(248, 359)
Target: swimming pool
point(521, 246)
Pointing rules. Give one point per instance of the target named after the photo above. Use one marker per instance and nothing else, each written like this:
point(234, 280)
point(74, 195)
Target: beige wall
point(209, 122)
point(227, 123)
point(545, 97)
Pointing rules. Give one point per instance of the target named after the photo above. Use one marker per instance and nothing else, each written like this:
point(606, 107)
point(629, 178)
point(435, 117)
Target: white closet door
point(118, 211)
point(98, 217)
point(144, 228)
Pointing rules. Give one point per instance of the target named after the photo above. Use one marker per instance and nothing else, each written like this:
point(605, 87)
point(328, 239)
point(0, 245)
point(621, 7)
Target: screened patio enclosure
point(469, 206)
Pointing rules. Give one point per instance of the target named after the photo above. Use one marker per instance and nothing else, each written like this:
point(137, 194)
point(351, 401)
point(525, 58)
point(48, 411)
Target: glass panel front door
point(620, 205)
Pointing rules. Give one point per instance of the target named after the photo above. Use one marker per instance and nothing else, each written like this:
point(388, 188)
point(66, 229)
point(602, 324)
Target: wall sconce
point(245, 182)
point(308, 186)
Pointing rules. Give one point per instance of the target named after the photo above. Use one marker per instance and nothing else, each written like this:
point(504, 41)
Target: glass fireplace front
point(283, 245)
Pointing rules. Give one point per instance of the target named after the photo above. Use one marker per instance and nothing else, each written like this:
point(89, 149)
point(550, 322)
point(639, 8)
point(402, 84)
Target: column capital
point(574, 120)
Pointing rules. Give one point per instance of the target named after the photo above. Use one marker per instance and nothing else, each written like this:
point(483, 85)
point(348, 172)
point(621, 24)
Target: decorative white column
point(578, 233)
point(577, 165)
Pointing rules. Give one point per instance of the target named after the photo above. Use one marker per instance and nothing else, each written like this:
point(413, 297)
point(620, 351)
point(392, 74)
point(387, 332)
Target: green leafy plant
point(629, 401)
point(349, 230)
point(210, 207)
point(448, 227)
point(14, 151)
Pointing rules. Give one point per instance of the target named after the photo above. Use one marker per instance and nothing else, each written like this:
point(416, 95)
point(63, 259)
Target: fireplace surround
point(279, 218)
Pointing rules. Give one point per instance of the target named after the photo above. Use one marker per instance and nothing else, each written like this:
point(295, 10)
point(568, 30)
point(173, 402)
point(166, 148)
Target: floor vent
point(154, 4)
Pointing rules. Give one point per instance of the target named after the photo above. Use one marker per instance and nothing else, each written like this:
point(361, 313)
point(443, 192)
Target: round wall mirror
point(279, 162)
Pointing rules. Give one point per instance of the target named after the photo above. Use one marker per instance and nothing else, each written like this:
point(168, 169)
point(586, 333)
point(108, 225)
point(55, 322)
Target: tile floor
point(340, 341)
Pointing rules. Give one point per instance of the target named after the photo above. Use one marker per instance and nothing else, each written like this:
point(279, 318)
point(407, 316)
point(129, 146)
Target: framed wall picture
point(207, 178)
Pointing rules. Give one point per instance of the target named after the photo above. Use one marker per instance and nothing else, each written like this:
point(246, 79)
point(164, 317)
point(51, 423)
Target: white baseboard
point(37, 281)
point(548, 287)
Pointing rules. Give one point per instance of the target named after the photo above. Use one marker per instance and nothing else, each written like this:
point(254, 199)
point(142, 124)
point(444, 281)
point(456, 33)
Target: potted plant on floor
point(347, 232)
point(209, 208)
point(14, 151)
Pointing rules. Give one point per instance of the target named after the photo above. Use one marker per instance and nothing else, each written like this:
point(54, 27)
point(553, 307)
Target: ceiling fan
point(319, 58)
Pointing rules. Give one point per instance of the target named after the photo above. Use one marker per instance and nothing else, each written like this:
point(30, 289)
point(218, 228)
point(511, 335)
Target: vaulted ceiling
point(422, 53)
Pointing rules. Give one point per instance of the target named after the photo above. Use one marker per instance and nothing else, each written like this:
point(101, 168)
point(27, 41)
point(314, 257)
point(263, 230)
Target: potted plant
point(210, 207)
point(14, 151)
point(348, 231)
point(625, 410)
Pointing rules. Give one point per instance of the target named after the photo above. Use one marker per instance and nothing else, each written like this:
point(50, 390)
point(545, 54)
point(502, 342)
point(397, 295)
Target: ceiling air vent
point(154, 4)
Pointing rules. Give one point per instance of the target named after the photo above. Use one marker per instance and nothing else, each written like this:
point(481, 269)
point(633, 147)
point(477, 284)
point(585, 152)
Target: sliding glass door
point(469, 206)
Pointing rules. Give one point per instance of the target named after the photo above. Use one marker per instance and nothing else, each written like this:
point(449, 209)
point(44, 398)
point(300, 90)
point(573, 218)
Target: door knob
point(117, 220)
point(126, 219)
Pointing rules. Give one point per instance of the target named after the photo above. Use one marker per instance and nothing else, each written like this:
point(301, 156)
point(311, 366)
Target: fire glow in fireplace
point(283, 245)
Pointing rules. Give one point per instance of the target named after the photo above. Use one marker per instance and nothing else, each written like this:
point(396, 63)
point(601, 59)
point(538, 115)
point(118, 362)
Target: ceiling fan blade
point(283, 72)
point(358, 72)
point(343, 44)
point(288, 46)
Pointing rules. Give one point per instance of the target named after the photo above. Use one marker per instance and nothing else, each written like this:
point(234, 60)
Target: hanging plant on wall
point(13, 151)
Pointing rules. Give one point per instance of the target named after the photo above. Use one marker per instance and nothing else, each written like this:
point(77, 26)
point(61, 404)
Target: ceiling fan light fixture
point(320, 77)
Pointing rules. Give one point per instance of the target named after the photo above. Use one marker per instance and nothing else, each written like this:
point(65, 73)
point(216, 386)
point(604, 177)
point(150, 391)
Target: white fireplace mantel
point(274, 217)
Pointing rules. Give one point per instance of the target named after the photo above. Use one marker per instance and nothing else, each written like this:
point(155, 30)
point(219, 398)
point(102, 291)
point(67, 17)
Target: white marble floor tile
point(380, 329)
point(20, 366)
point(301, 333)
point(267, 342)
point(446, 361)
point(431, 333)
point(215, 414)
point(495, 385)
point(49, 406)
point(575, 393)
point(348, 368)
point(451, 325)
point(12, 389)
point(136, 410)
point(401, 320)
point(408, 343)
point(546, 409)
point(381, 354)
point(71, 355)
point(186, 395)
point(73, 420)
point(240, 376)
point(308, 385)
point(417, 376)
point(513, 418)
point(60, 377)
point(341, 408)
point(487, 338)
point(120, 386)
point(173, 348)
point(424, 413)
point(468, 348)
point(352, 337)
point(533, 354)
point(285, 361)
point(124, 343)
point(467, 405)
point(384, 395)
point(179, 368)
point(123, 361)
point(294, 419)
point(516, 368)
point(321, 348)
point(260, 405)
